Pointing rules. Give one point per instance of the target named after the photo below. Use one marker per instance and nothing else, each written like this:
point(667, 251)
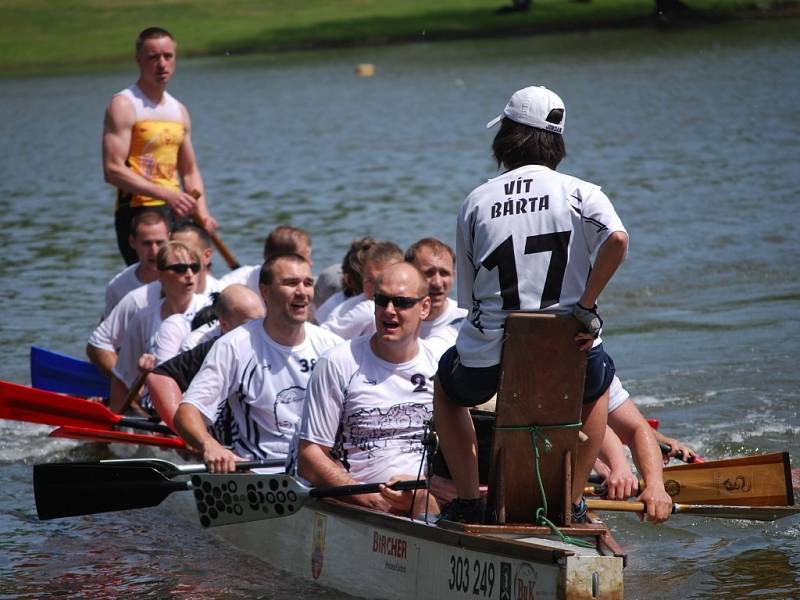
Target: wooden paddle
point(133, 393)
point(224, 251)
point(22, 403)
point(750, 513)
point(235, 498)
point(71, 489)
point(760, 480)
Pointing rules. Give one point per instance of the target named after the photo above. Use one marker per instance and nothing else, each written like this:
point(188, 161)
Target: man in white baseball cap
point(534, 106)
point(530, 240)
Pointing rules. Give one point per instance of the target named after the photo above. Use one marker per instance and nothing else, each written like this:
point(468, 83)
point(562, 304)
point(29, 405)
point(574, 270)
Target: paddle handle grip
point(365, 488)
point(666, 449)
point(240, 466)
point(618, 505)
point(224, 251)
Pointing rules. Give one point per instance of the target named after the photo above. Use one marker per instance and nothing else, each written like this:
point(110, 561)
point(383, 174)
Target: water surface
point(694, 135)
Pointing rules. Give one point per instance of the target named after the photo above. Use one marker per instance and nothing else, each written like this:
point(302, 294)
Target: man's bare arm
point(103, 359)
point(119, 392)
point(117, 127)
point(316, 465)
point(189, 423)
point(191, 176)
point(629, 424)
point(166, 397)
point(609, 258)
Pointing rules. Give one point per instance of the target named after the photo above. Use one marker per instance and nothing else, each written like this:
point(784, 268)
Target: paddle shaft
point(364, 488)
point(754, 513)
point(133, 392)
point(172, 470)
point(114, 436)
point(224, 251)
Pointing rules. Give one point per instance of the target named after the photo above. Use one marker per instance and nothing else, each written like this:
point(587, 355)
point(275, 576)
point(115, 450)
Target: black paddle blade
point(239, 498)
point(71, 489)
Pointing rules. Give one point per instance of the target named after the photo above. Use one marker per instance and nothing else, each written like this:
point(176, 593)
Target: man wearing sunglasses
point(370, 398)
point(105, 341)
point(258, 372)
point(198, 239)
point(178, 269)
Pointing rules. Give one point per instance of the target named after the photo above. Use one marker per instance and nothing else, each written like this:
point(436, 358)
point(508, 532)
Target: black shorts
point(600, 372)
point(466, 386)
point(470, 386)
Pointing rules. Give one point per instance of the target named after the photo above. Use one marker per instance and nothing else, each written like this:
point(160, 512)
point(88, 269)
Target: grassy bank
point(38, 36)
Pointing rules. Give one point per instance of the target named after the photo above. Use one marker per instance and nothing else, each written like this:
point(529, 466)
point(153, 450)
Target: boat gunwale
point(488, 542)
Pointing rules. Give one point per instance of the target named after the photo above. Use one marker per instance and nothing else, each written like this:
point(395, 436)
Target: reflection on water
point(693, 134)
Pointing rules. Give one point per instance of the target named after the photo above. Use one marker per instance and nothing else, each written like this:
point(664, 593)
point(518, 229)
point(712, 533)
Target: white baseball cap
point(531, 106)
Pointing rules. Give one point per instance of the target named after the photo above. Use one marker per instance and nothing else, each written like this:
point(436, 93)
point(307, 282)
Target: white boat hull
point(373, 555)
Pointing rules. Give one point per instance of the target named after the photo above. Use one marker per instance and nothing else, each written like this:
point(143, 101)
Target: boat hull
point(372, 555)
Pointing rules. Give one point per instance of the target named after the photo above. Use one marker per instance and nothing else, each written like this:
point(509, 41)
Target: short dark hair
point(517, 145)
point(202, 234)
point(385, 251)
point(147, 217)
point(285, 239)
point(436, 246)
point(353, 264)
point(266, 275)
point(149, 34)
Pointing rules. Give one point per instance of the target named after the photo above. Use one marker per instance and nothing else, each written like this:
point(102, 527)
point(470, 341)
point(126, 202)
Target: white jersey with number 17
point(525, 241)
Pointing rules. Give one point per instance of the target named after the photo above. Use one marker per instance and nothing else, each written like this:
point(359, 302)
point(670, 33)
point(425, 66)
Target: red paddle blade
point(654, 423)
point(23, 403)
point(101, 435)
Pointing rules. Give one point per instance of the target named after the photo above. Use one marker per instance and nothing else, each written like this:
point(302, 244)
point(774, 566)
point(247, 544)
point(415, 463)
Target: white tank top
point(146, 110)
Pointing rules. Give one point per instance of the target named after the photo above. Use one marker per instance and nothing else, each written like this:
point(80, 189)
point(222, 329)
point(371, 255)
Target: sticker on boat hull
point(525, 582)
point(505, 581)
point(392, 549)
point(318, 544)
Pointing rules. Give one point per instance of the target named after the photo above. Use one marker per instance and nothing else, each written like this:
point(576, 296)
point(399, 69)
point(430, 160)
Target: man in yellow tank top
point(147, 145)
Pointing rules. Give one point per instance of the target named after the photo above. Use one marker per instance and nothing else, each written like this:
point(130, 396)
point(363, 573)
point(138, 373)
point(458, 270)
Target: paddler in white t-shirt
point(259, 371)
point(147, 144)
point(178, 269)
point(370, 398)
point(106, 339)
point(149, 232)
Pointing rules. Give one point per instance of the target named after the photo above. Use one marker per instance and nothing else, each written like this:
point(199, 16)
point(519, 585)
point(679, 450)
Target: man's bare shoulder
point(187, 120)
point(120, 112)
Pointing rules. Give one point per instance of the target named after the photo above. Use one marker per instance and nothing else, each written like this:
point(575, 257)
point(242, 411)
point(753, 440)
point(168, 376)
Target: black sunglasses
point(399, 302)
point(181, 268)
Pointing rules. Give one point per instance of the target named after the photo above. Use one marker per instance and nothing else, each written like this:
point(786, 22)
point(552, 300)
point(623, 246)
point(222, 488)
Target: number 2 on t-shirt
point(503, 259)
